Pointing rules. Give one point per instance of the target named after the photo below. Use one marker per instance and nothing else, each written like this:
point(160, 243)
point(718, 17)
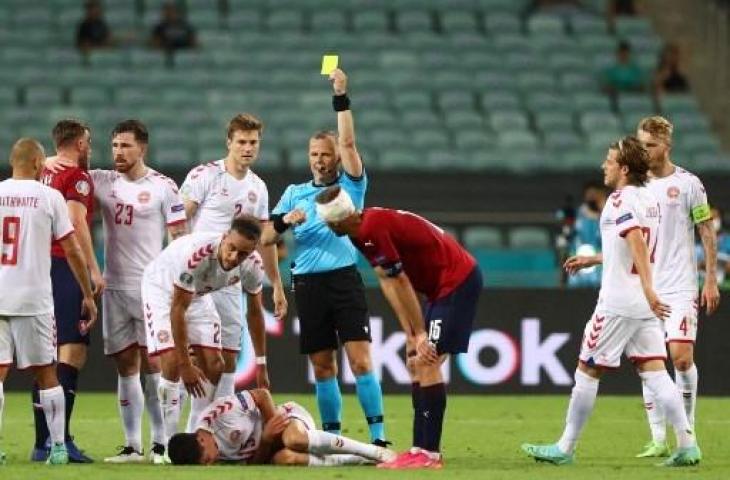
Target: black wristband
point(340, 102)
point(279, 225)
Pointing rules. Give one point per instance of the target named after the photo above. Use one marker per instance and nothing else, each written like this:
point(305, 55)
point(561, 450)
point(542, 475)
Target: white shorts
point(201, 319)
point(228, 304)
point(31, 339)
point(681, 325)
point(293, 410)
point(122, 320)
point(607, 336)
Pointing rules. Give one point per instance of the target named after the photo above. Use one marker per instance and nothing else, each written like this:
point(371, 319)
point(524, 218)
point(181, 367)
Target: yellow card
point(329, 63)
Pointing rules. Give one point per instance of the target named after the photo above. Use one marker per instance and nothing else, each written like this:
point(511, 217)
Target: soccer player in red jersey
point(73, 143)
point(413, 256)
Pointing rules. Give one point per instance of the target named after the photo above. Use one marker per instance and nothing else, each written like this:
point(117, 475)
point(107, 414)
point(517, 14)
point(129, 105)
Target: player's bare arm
point(274, 426)
point(177, 230)
point(578, 262)
point(257, 330)
point(351, 161)
point(710, 297)
point(270, 235)
point(271, 267)
point(401, 296)
point(191, 375)
point(191, 208)
point(77, 213)
point(77, 263)
point(640, 255)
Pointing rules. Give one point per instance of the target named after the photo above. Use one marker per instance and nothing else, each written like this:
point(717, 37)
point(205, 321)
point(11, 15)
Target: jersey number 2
point(123, 214)
point(11, 237)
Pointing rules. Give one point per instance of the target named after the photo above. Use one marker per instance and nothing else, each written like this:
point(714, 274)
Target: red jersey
point(435, 263)
point(74, 184)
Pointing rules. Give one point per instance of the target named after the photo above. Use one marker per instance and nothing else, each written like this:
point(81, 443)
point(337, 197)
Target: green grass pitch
point(481, 441)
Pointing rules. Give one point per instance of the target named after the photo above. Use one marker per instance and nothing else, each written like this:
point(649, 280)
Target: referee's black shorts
point(332, 309)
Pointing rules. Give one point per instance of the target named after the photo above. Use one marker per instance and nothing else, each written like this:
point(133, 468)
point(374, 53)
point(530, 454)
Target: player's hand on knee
point(339, 81)
point(426, 350)
point(193, 378)
point(274, 427)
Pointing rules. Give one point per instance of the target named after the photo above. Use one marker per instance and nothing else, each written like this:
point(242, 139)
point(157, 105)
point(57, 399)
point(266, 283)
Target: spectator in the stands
point(619, 8)
point(723, 252)
point(668, 77)
point(625, 75)
point(587, 238)
point(93, 31)
point(173, 32)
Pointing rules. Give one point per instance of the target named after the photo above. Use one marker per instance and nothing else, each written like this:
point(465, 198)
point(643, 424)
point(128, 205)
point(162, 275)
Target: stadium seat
point(483, 237)
point(487, 81)
point(501, 23)
point(503, 121)
point(458, 22)
point(492, 101)
point(528, 237)
point(543, 101)
point(562, 141)
point(588, 25)
point(90, 97)
point(43, 96)
point(414, 21)
point(633, 26)
point(285, 20)
point(576, 82)
point(470, 140)
point(458, 120)
point(455, 100)
point(389, 138)
point(405, 101)
point(399, 159)
point(590, 101)
point(553, 121)
point(414, 120)
point(328, 20)
point(374, 118)
point(430, 138)
point(678, 103)
point(595, 121)
point(635, 103)
point(8, 96)
point(370, 21)
point(545, 25)
point(481, 60)
point(517, 141)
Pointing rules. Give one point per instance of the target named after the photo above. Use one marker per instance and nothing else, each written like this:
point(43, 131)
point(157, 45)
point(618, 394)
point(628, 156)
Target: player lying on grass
point(247, 427)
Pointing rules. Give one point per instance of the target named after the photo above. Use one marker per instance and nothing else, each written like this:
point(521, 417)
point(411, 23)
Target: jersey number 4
point(123, 214)
point(11, 241)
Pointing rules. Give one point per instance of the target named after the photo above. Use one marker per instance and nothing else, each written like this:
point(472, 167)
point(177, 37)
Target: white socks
point(655, 415)
point(336, 460)
point(169, 394)
point(582, 400)
point(687, 384)
point(54, 408)
point(131, 403)
point(324, 443)
point(666, 394)
point(199, 404)
point(226, 385)
point(152, 405)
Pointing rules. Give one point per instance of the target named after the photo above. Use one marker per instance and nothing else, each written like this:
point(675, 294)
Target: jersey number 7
point(646, 233)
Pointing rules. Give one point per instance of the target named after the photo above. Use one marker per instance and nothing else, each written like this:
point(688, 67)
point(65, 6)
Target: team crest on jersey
point(235, 436)
point(143, 197)
point(252, 197)
point(83, 187)
point(163, 336)
point(672, 192)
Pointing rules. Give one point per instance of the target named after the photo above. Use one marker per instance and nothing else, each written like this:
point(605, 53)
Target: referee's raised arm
point(351, 161)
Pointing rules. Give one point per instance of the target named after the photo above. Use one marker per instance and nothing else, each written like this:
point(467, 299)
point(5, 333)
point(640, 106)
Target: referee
point(328, 290)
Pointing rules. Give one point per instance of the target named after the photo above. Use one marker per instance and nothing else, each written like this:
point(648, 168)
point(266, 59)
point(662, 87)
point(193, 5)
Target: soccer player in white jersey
point(247, 427)
point(628, 314)
point(684, 207)
point(215, 193)
point(31, 214)
point(179, 313)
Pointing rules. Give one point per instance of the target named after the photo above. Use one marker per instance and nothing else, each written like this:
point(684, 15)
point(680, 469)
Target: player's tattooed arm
point(191, 375)
point(640, 255)
point(710, 298)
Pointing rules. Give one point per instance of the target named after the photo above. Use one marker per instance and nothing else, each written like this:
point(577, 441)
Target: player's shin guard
point(68, 376)
point(329, 401)
point(152, 405)
point(687, 383)
point(199, 404)
point(131, 404)
point(666, 393)
point(582, 400)
point(54, 408)
point(433, 405)
point(655, 415)
point(169, 393)
point(39, 419)
point(226, 385)
point(371, 400)
point(324, 443)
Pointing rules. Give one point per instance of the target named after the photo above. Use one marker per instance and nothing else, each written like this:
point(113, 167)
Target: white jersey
point(683, 201)
point(221, 197)
point(252, 274)
point(626, 209)
point(136, 214)
point(236, 424)
point(31, 214)
point(191, 263)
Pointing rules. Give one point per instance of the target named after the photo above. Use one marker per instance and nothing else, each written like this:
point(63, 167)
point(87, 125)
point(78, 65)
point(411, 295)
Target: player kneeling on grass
point(247, 427)
point(628, 315)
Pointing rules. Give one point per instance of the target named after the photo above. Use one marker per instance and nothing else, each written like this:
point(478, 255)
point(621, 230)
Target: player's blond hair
point(632, 154)
point(244, 122)
point(658, 127)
